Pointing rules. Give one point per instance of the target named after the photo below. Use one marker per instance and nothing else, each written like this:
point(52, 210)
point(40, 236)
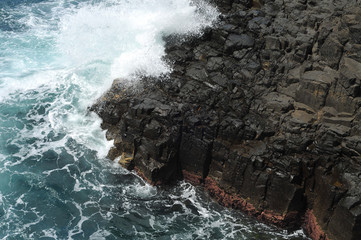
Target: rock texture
point(263, 110)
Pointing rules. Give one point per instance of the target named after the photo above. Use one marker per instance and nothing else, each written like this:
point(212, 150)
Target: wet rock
point(236, 42)
point(272, 43)
point(339, 99)
point(355, 33)
point(302, 117)
point(350, 70)
point(278, 102)
point(312, 92)
point(263, 110)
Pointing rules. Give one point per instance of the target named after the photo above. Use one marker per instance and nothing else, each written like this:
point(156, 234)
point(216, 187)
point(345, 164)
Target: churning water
point(56, 58)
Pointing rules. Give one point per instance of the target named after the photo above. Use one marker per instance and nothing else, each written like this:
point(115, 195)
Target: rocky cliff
point(263, 110)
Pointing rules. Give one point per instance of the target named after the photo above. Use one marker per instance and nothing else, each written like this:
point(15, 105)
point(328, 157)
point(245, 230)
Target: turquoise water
point(56, 58)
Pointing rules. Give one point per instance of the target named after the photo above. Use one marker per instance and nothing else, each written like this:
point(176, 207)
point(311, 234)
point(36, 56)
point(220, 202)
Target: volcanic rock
point(263, 110)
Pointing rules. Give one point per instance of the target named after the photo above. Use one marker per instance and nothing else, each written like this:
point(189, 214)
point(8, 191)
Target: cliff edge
point(263, 110)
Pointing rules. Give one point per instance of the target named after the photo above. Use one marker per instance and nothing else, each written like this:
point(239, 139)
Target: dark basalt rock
point(263, 110)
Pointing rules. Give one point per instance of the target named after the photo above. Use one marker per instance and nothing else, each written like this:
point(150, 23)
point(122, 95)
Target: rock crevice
point(263, 110)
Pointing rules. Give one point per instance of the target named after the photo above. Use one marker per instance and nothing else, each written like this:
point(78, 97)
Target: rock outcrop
point(263, 110)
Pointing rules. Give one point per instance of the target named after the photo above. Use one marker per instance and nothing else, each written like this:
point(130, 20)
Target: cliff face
point(264, 110)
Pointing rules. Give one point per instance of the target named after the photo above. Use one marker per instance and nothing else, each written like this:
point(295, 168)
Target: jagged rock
point(272, 43)
point(278, 102)
point(339, 99)
point(263, 110)
point(312, 93)
point(302, 117)
point(355, 33)
point(350, 70)
point(235, 42)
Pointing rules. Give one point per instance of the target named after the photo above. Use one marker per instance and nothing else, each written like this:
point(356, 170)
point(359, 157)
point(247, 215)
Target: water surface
point(56, 58)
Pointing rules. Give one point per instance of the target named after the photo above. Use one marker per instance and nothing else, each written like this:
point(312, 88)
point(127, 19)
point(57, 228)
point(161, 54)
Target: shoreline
point(263, 110)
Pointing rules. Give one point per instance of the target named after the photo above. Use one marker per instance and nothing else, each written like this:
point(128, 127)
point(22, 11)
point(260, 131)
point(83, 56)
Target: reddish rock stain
point(311, 227)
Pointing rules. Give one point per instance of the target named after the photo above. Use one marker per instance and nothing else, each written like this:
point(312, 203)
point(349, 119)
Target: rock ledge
point(263, 110)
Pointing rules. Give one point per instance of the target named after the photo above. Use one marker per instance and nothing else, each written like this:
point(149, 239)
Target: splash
point(129, 34)
point(52, 40)
point(56, 58)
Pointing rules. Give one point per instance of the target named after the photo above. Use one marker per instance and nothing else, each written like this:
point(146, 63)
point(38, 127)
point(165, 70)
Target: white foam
point(138, 190)
point(77, 49)
point(20, 201)
point(129, 34)
point(78, 228)
point(50, 233)
point(69, 55)
point(100, 235)
point(77, 187)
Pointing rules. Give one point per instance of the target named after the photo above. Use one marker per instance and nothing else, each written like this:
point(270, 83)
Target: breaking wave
point(56, 58)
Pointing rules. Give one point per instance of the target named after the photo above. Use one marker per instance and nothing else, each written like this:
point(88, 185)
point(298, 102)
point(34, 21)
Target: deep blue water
point(56, 58)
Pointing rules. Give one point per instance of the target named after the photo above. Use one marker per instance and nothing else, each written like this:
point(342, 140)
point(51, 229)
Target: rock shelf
point(263, 110)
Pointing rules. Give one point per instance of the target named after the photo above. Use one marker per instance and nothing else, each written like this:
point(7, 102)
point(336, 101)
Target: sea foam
point(129, 33)
point(56, 58)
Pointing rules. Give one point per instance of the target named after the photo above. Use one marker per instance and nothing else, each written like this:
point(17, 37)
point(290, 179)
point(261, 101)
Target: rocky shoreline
point(263, 110)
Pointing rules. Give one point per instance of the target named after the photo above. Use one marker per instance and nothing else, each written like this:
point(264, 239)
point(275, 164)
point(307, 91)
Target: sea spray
point(56, 58)
point(129, 34)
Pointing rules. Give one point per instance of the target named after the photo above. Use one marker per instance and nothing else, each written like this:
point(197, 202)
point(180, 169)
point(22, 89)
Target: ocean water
point(56, 58)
